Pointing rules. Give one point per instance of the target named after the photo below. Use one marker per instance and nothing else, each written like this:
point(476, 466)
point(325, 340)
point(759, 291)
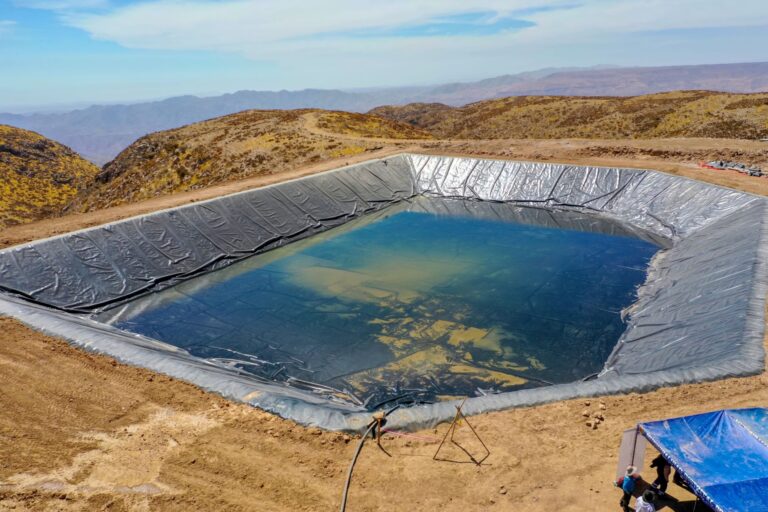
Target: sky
point(63, 53)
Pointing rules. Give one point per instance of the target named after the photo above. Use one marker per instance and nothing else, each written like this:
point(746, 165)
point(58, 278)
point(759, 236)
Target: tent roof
point(723, 455)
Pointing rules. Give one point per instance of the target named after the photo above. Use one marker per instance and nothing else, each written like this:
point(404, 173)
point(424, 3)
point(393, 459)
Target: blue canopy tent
point(722, 455)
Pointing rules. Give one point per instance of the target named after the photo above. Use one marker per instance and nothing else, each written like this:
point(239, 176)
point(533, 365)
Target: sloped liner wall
point(699, 316)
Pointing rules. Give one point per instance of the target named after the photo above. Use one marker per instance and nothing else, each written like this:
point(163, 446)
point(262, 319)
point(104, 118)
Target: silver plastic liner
point(699, 316)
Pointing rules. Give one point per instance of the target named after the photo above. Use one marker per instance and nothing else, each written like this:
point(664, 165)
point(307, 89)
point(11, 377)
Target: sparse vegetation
point(362, 125)
point(673, 114)
point(237, 146)
point(38, 177)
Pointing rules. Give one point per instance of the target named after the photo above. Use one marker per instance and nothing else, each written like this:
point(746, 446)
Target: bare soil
point(80, 431)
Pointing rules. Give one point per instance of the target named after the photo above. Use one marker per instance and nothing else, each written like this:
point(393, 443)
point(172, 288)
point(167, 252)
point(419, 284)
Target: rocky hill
point(38, 176)
point(251, 143)
point(673, 114)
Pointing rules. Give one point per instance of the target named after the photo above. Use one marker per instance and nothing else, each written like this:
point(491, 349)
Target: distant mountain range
point(99, 133)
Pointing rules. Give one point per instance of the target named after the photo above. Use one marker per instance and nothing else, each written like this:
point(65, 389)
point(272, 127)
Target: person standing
point(662, 474)
point(628, 485)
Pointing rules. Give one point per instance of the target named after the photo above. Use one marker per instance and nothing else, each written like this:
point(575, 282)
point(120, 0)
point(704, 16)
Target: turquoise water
point(417, 303)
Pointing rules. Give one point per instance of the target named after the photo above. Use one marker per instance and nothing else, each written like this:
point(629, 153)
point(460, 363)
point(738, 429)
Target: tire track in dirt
point(126, 461)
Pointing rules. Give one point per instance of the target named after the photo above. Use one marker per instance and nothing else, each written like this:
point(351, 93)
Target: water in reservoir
point(425, 300)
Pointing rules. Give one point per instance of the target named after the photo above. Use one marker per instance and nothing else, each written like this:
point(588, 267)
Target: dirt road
point(81, 432)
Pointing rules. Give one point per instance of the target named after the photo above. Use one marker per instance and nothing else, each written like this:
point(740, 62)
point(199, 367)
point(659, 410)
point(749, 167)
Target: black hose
point(371, 426)
point(352, 465)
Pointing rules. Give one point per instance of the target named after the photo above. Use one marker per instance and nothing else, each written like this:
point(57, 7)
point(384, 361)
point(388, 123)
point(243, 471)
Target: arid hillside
point(38, 176)
point(42, 178)
point(673, 114)
point(247, 144)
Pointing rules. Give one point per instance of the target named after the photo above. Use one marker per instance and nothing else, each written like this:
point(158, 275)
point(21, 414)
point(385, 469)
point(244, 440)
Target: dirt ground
point(80, 431)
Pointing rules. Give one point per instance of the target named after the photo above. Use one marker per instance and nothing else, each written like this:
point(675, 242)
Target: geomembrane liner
point(697, 316)
point(428, 299)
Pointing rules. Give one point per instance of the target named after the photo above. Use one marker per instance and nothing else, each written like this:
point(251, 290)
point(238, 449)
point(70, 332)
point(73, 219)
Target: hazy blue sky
point(62, 52)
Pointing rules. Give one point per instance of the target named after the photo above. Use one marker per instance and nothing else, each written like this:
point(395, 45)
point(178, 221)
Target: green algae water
point(426, 300)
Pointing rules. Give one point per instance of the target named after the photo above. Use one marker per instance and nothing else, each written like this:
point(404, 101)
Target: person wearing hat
point(645, 503)
point(628, 486)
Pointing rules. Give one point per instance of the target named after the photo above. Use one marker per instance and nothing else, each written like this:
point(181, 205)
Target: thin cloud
point(265, 30)
point(248, 25)
point(62, 5)
point(6, 26)
point(596, 18)
point(469, 24)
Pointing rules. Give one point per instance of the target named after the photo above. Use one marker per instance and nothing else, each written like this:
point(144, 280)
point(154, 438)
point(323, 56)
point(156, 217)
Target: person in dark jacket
point(662, 474)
